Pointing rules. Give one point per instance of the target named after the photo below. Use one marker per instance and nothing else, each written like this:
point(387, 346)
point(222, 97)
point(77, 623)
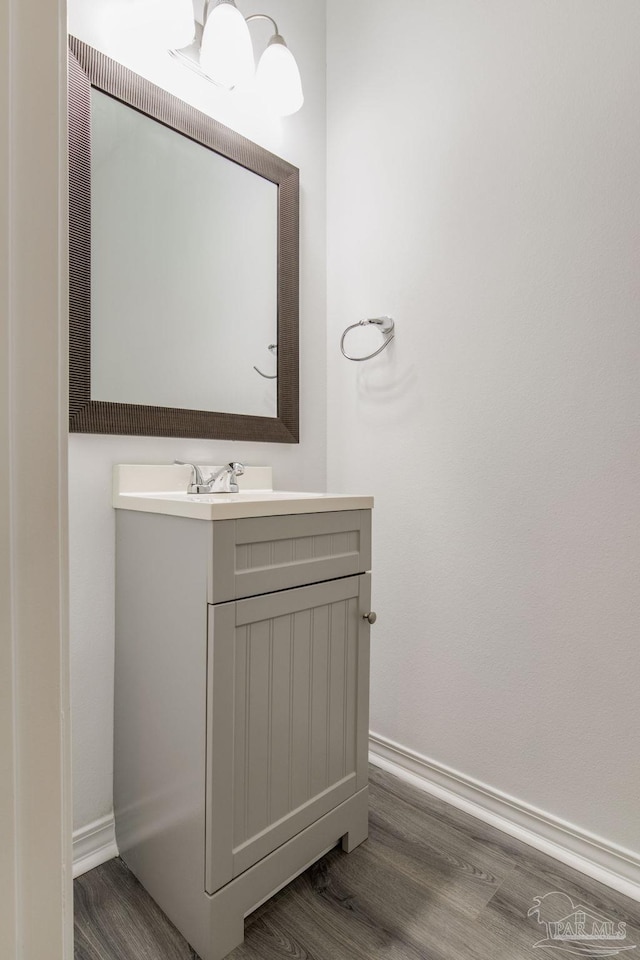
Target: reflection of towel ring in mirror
point(273, 347)
point(386, 325)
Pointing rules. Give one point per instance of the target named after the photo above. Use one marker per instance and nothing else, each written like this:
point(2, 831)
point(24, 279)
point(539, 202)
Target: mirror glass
point(184, 267)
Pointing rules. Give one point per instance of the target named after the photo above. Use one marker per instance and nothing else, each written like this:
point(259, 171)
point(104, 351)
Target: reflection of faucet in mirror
point(274, 349)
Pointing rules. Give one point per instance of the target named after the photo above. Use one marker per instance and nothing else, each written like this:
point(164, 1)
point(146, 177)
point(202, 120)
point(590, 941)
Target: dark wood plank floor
point(431, 883)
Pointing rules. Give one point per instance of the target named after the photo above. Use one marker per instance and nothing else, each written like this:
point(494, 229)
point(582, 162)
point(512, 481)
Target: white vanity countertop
point(140, 487)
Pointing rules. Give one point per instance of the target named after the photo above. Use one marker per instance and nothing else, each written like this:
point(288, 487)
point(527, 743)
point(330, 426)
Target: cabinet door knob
point(371, 617)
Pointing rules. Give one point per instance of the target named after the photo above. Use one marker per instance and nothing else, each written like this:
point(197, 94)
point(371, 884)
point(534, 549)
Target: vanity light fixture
point(223, 54)
point(277, 74)
point(226, 51)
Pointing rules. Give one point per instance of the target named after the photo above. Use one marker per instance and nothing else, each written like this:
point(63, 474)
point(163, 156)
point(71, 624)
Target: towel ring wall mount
point(387, 327)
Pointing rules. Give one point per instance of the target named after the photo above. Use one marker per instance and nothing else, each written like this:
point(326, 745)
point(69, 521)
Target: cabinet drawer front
point(266, 554)
point(288, 717)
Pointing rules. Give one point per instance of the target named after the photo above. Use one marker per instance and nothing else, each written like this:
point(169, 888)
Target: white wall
point(301, 141)
point(483, 189)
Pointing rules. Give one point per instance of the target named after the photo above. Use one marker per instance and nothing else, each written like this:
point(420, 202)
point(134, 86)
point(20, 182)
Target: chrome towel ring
point(386, 325)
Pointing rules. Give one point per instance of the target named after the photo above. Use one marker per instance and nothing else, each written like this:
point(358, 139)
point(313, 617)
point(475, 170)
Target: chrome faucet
point(224, 480)
point(197, 484)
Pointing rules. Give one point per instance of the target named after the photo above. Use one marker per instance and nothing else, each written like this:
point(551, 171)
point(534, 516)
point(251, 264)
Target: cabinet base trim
point(230, 905)
point(594, 856)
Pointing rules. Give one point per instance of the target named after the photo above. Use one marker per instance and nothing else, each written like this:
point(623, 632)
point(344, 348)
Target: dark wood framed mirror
point(174, 296)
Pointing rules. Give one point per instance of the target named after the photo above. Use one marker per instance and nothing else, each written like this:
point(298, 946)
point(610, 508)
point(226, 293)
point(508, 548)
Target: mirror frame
point(90, 68)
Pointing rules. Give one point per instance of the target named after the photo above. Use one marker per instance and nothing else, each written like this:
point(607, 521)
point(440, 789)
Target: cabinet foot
point(358, 833)
point(227, 928)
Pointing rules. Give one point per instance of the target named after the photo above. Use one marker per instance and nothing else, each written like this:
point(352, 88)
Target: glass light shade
point(278, 78)
point(166, 24)
point(226, 52)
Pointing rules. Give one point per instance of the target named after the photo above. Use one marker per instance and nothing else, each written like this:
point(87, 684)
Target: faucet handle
point(197, 484)
point(235, 470)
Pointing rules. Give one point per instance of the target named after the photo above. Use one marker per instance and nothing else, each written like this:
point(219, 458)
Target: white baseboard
point(592, 855)
point(93, 845)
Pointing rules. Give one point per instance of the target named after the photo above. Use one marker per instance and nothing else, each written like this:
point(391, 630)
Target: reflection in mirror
point(183, 269)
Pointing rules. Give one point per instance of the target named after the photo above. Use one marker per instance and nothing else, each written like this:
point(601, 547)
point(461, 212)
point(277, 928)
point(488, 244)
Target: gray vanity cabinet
point(242, 704)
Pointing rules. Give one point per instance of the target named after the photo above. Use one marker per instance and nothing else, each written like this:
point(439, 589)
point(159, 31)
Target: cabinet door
point(287, 717)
